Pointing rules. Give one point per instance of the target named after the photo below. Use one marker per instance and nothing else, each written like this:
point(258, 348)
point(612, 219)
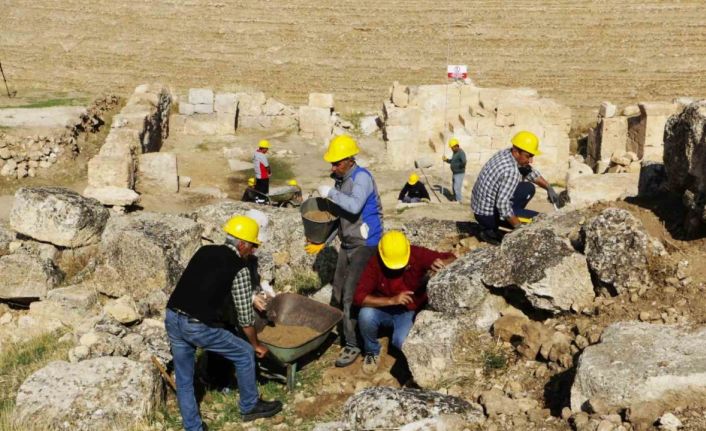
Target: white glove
point(266, 288)
point(324, 190)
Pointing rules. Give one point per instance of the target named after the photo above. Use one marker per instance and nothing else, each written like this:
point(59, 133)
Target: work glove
point(324, 190)
point(552, 195)
point(312, 248)
point(444, 158)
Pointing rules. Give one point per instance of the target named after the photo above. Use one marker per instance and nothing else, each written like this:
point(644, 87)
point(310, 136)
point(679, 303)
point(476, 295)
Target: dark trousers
point(349, 267)
point(262, 185)
point(522, 196)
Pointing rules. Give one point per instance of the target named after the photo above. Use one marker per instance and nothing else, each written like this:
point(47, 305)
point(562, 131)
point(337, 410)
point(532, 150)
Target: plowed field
point(578, 52)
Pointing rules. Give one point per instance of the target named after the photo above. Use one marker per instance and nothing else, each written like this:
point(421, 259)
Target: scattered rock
point(384, 407)
point(58, 215)
point(662, 358)
point(89, 395)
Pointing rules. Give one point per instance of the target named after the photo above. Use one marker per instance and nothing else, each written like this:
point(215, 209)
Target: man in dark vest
point(217, 275)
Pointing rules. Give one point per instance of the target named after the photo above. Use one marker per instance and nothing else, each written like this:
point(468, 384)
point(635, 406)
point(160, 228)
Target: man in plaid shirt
point(505, 186)
point(215, 284)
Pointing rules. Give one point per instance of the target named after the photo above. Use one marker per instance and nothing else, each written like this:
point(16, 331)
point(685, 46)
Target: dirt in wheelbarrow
point(287, 335)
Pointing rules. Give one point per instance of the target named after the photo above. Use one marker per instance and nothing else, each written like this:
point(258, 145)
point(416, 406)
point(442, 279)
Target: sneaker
point(348, 356)
point(263, 409)
point(370, 363)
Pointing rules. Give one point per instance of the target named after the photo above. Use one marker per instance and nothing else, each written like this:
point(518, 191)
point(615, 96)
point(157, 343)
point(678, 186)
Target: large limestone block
point(391, 408)
point(459, 290)
point(57, 215)
point(617, 249)
point(545, 269)
point(611, 136)
point(203, 108)
point(145, 252)
point(685, 159)
point(586, 190)
point(226, 103)
point(315, 123)
point(638, 362)
point(321, 100)
point(399, 95)
point(201, 96)
point(407, 117)
point(96, 394)
point(429, 347)
point(115, 196)
point(251, 104)
point(111, 171)
point(157, 172)
point(401, 150)
point(186, 108)
point(25, 276)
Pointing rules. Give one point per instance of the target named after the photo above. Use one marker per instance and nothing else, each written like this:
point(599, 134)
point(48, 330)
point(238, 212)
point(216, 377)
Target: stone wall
point(206, 112)
point(638, 129)
point(23, 157)
point(419, 120)
point(140, 127)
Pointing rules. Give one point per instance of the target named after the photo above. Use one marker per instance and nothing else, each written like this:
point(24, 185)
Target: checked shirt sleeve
point(242, 297)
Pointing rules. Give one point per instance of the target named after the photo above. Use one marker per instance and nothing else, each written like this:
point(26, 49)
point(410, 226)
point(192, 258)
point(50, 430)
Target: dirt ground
point(578, 52)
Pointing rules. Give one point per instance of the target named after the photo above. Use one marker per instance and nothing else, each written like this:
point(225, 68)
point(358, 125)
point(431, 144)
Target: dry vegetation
point(578, 52)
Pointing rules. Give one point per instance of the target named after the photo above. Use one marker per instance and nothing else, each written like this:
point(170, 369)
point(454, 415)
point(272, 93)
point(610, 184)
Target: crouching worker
point(217, 275)
point(413, 191)
point(391, 290)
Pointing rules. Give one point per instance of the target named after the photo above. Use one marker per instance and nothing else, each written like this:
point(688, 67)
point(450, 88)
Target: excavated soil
point(578, 52)
point(287, 335)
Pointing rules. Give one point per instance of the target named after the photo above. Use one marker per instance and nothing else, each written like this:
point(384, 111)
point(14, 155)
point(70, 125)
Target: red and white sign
point(457, 71)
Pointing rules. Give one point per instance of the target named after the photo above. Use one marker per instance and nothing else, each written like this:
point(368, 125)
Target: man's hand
point(323, 190)
point(438, 264)
point(312, 248)
point(259, 301)
point(444, 158)
point(403, 298)
point(552, 195)
point(261, 350)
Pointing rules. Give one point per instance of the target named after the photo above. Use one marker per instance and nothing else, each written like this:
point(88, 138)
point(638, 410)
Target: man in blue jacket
point(360, 229)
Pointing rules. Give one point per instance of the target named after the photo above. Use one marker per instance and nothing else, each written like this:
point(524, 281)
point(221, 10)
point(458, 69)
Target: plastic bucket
point(317, 231)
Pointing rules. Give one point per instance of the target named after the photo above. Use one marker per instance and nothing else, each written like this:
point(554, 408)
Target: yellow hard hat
point(413, 179)
point(394, 249)
point(264, 144)
point(292, 182)
point(341, 147)
point(251, 181)
point(244, 228)
point(453, 142)
point(526, 141)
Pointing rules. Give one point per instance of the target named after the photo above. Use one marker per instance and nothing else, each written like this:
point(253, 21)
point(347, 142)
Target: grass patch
point(17, 362)
point(281, 170)
point(303, 282)
point(221, 413)
point(48, 103)
point(494, 360)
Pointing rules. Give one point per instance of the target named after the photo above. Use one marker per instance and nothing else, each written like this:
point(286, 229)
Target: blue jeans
point(185, 336)
point(523, 194)
point(370, 319)
point(457, 184)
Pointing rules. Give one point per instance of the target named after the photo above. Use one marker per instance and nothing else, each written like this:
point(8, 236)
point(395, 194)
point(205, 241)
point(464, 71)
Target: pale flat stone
point(201, 96)
point(321, 100)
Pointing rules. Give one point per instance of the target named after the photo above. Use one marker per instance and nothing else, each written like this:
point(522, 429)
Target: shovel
point(418, 165)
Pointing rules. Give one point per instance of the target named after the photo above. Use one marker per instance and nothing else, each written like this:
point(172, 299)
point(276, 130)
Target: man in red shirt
point(391, 290)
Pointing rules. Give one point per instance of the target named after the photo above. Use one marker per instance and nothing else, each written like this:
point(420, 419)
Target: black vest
point(204, 289)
